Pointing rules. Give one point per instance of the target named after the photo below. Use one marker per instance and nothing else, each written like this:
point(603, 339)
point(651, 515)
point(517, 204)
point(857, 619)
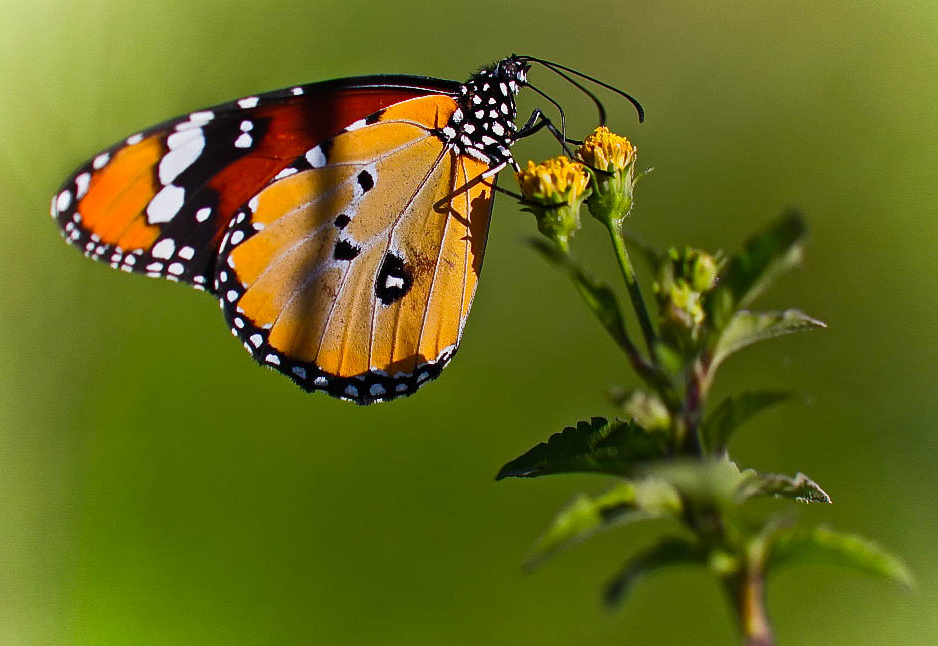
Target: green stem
point(635, 294)
point(747, 592)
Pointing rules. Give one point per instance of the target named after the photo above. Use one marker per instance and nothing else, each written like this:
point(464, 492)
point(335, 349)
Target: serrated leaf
point(598, 446)
point(824, 546)
point(763, 258)
point(598, 296)
point(669, 552)
point(730, 414)
point(747, 328)
point(800, 487)
point(625, 503)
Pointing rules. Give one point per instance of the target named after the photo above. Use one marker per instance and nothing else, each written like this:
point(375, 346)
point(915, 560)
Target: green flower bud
point(684, 277)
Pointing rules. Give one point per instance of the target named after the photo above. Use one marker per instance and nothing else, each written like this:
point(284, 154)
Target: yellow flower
point(554, 191)
point(553, 182)
point(605, 150)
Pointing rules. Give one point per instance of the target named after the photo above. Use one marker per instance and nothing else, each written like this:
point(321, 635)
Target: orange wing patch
point(355, 271)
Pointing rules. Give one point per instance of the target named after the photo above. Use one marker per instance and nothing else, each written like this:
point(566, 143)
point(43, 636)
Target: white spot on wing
point(163, 249)
point(176, 268)
point(286, 172)
point(184, 148)
point(202, 214)
point(166, 204)
point(134, 139)
point(247, 103)
point(81, 182)
point(63, 201)
point(201, 118)
point(244, 141)
point(315, 157)
point(186, 253)
point(361, 123)
point(100, 161)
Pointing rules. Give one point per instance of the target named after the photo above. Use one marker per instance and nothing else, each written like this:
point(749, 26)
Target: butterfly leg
point(539, 120)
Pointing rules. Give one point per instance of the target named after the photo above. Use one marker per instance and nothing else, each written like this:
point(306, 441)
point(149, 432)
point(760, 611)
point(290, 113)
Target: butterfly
point(341, 225)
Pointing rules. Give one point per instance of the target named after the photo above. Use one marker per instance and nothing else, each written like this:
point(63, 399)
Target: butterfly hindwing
point(159, 201)
point(353, 271)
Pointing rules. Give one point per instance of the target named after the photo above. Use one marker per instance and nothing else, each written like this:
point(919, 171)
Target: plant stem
point(635, 294)
point(749, 598)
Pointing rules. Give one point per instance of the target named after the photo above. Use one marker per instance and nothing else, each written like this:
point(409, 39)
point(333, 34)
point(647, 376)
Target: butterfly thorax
point(483, 126)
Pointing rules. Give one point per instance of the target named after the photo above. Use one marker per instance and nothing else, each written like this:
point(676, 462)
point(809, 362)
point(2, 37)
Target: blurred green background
point(156, 487)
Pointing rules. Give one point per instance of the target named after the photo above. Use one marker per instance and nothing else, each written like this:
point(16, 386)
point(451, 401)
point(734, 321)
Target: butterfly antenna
point(556, 67)
point(563, 118)
point(600, 108)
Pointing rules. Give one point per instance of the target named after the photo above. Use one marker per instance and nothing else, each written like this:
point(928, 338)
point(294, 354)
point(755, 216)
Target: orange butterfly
point(341, 225)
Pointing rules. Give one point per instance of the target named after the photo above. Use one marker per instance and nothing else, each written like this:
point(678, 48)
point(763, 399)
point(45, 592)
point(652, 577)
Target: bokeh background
point(156, 487)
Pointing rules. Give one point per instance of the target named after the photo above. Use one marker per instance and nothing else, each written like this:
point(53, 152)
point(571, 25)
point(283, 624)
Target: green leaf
point(596, 446)
point(627, 502)
point(598, 296)
point(747, 328)
point(714, 482)
point(764, 257)
point(643, 407)
point(720, 425)
point(667, 553)
point(825, 546)
point(800, 488)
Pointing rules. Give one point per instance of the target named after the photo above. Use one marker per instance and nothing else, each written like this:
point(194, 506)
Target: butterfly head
point(484, 125)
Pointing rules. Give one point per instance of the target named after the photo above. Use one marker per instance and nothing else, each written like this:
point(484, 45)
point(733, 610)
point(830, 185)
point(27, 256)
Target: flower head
point(612, 158)
point(606, 151)
point(553, 182)
point(554, 191)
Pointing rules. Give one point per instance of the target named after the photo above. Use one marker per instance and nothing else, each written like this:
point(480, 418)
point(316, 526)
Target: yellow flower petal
point(605, 150)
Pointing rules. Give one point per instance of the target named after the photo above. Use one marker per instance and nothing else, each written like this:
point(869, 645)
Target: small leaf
point(720, 425)
point(800, 488)
point(669, 552)
point(625, 503)
point(706, 481)
point(825, 546)
point(596, 446)
point(645, 408)
point(747, 328)
point(598, 296)
point(763, 258)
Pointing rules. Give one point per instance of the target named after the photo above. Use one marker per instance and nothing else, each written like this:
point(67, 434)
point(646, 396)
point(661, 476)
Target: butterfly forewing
point(159, 201)
point(354, 271)
point(341, 225)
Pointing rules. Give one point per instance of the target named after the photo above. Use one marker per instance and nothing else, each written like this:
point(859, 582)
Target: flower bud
point(684, 276)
